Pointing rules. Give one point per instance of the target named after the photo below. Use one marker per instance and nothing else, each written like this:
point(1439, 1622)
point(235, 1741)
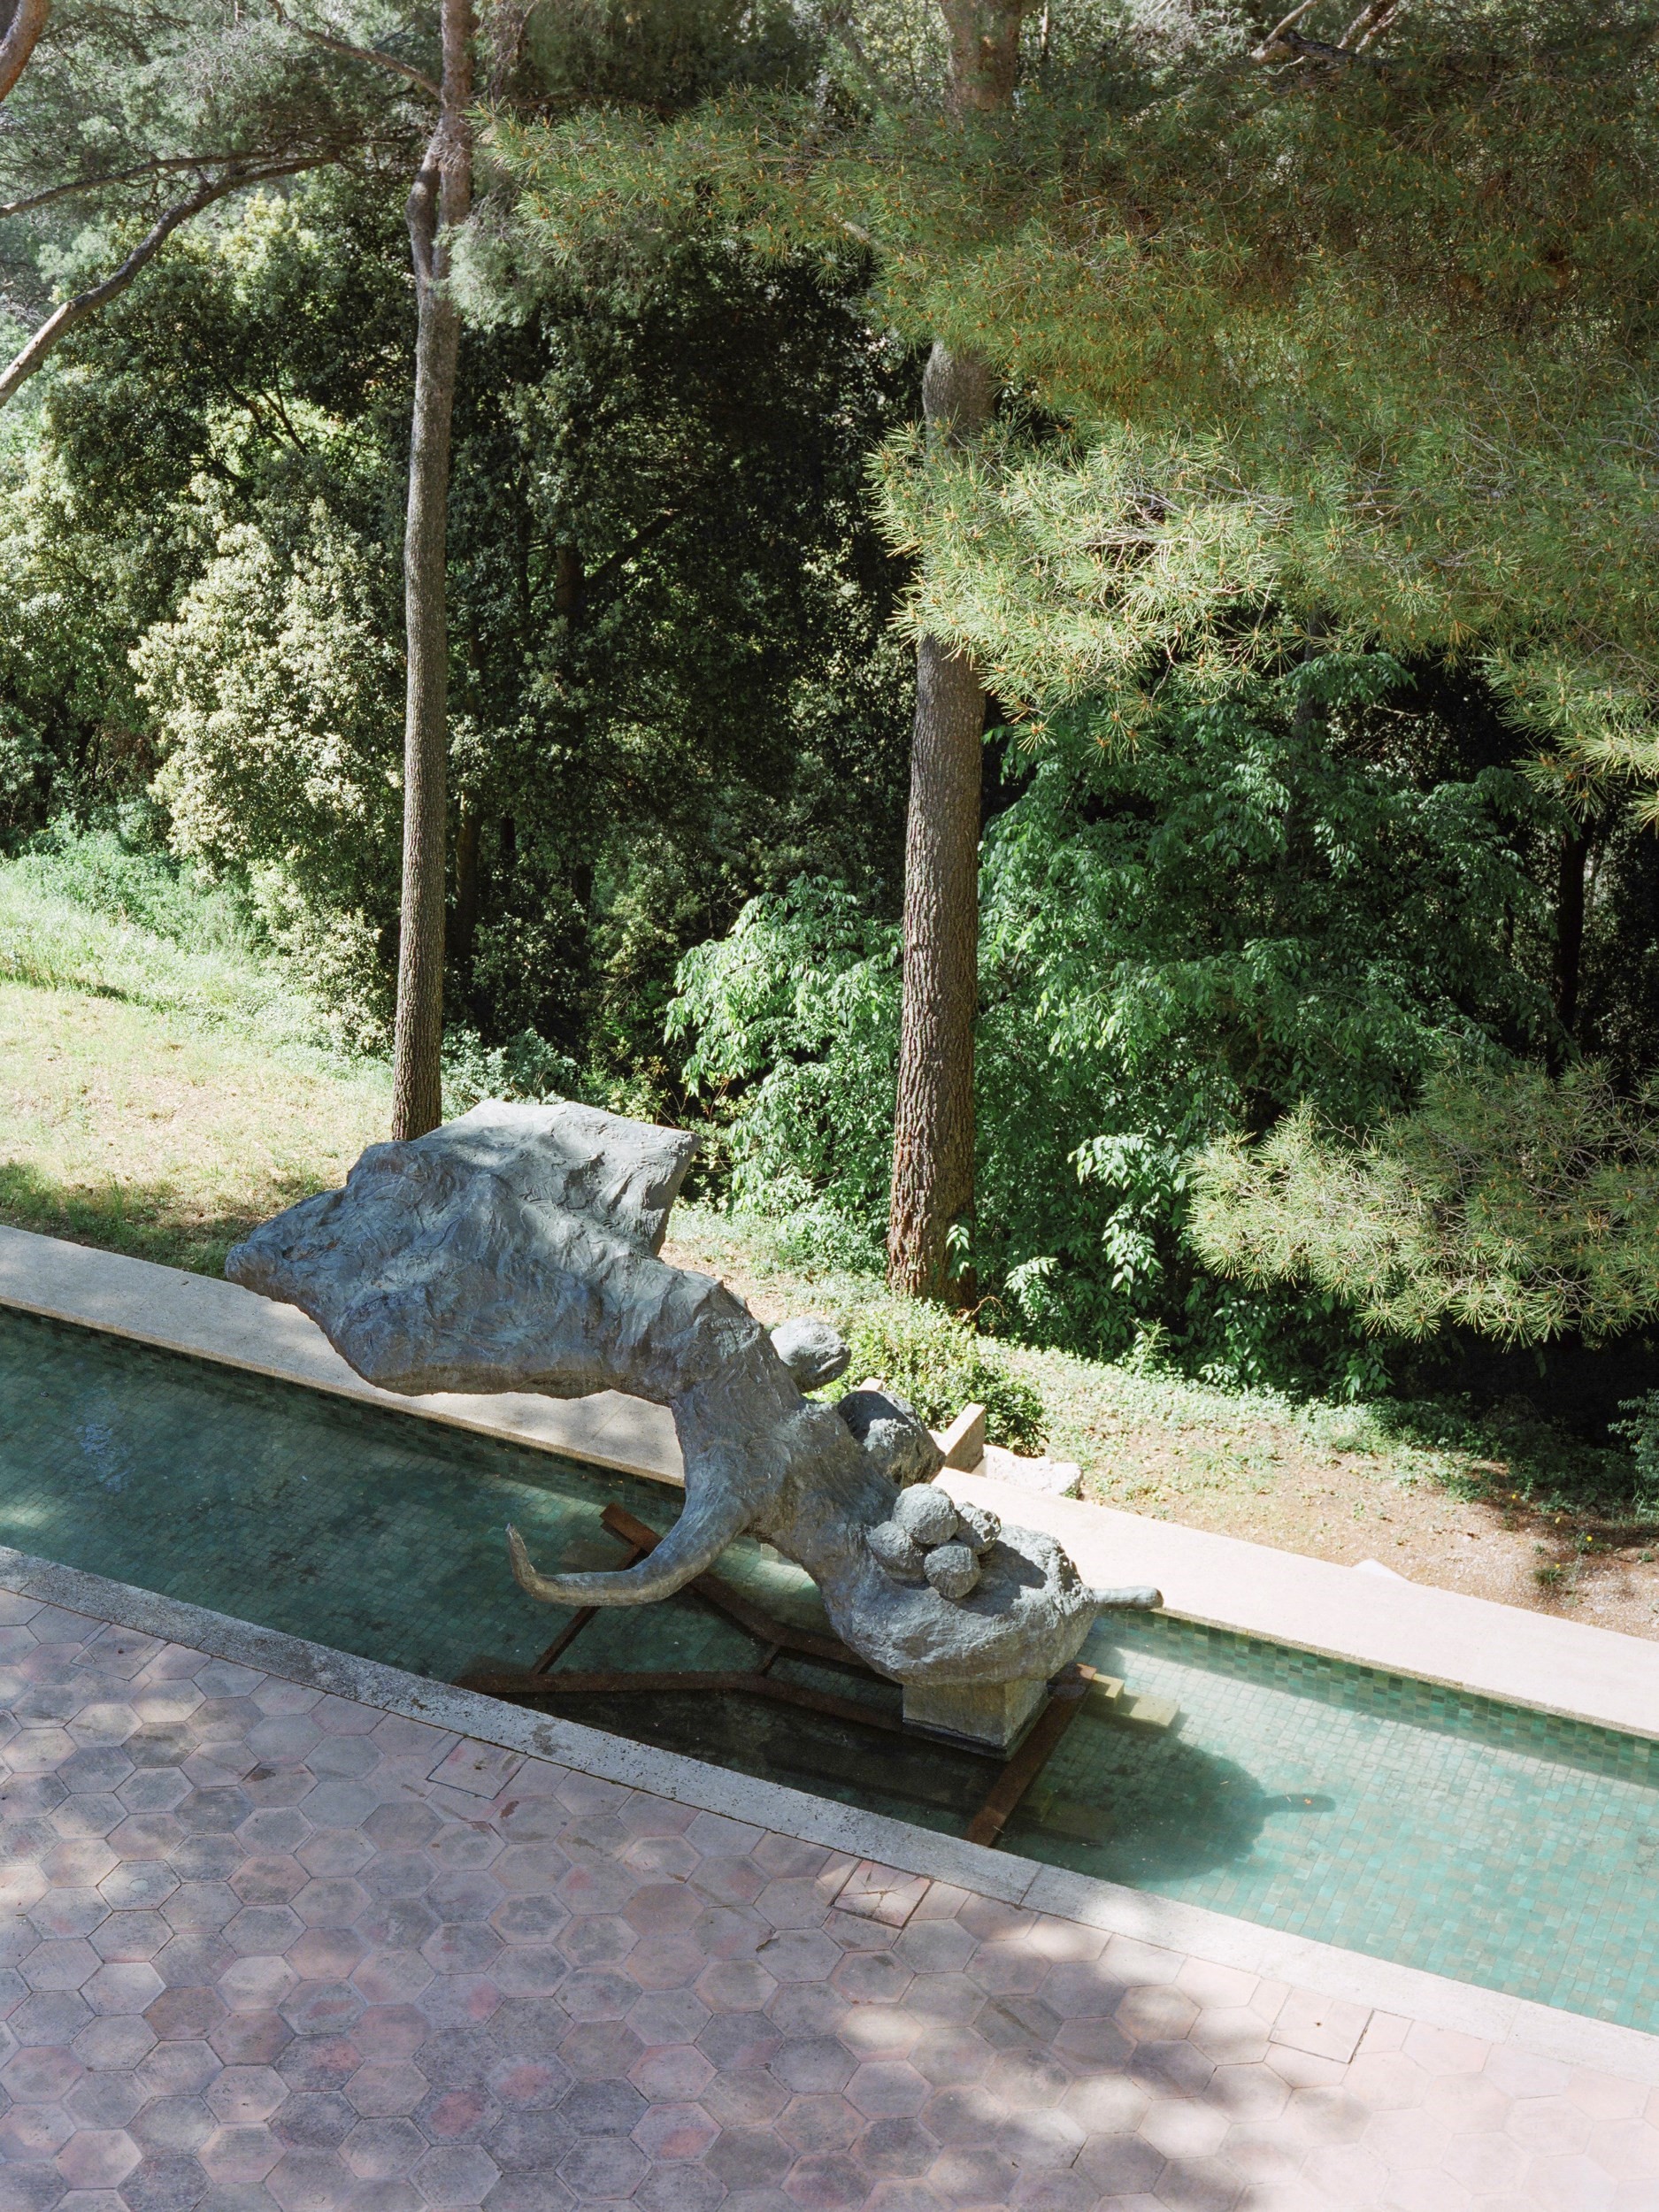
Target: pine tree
point(1320, 335)
point(439, 202)
point(933, 1134)
point(138, 121)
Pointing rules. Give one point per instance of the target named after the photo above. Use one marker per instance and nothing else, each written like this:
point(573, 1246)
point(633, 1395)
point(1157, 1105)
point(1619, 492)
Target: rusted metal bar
point(1066, 1702)
point(515, 1682)
point(747, 1614)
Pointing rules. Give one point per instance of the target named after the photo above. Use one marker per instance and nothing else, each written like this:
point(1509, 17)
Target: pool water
point(1473, 1838)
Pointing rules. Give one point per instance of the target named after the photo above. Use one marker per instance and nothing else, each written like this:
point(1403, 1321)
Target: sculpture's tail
point(690, 1548)
point(1142, 1600)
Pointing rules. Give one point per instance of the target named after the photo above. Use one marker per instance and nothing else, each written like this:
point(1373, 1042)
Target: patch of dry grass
point(135, 1128)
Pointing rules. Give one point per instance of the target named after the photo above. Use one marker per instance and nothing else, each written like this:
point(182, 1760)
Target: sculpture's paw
point(901, 1446)
point(1142, 1599)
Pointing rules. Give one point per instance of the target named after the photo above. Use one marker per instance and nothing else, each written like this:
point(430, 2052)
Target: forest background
point(1307, 564)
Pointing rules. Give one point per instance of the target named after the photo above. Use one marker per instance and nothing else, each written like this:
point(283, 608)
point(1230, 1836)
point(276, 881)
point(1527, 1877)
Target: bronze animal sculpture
point(516, 1248)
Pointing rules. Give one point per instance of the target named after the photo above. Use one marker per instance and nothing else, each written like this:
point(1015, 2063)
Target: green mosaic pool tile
point(1405, 1819)
point(1499, 1846)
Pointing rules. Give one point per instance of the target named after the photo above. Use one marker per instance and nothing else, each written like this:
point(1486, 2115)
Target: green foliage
point(1077, 569)
point(668, 56)
point(1642, 1433)
point(936, 1363)
point(1290, 888)
point(526, 1067)
point(1387, 327)
point(1511, 1204)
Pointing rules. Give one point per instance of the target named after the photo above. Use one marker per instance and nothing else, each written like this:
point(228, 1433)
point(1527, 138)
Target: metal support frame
point(544, 1678)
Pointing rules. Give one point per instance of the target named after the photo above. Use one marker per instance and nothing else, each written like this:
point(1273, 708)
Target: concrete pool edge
point(1564, 1668)
point(1380, 1984)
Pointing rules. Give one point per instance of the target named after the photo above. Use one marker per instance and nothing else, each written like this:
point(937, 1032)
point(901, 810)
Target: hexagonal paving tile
point(261, 1947)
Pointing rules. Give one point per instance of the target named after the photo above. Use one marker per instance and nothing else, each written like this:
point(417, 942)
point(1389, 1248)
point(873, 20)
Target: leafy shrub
point(1260, 901)
point(1642, 1435)
point(527, 1067)
point(276, 702)
point(1511, 1204)
point(935, 1360)
point(793, 1019)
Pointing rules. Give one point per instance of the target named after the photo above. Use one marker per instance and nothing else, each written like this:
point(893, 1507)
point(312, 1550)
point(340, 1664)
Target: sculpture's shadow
point(1141, 1806)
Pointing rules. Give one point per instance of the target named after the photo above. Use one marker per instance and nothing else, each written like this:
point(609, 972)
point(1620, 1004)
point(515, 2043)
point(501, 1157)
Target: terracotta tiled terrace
point(262, 1945)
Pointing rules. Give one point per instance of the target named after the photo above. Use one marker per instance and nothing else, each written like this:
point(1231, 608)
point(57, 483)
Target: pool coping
point(1380, 1984)
point(1567, 1669)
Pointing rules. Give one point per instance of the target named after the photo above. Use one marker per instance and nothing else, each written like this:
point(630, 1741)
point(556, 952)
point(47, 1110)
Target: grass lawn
point(129, 1128)
point(160, 1092)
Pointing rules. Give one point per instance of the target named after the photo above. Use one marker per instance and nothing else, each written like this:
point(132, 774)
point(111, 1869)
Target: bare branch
point(160, 166)
point(85, 304)
point(1370, 23)
point(356, 53)
point(1276, 45)
point(22, 35)
point(1286, 42)
point(164, 165)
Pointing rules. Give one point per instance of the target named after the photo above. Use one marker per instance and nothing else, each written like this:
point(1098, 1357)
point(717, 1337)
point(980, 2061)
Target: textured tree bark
point(469, 826)
point(440, 198)
point(984, 52)
point(20, 28)
point(932, 1130)
point(933, 1135)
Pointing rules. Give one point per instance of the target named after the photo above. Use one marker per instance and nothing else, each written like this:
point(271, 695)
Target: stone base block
point(993, 1715)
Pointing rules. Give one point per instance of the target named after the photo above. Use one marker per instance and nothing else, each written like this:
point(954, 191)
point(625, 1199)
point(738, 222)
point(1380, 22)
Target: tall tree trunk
point(932, 1137)
point(20, 26)
point(933, 1131)
point(440, 199)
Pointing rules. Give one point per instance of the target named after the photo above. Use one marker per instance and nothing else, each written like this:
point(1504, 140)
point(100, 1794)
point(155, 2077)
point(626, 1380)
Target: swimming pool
point(1485, 1841)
